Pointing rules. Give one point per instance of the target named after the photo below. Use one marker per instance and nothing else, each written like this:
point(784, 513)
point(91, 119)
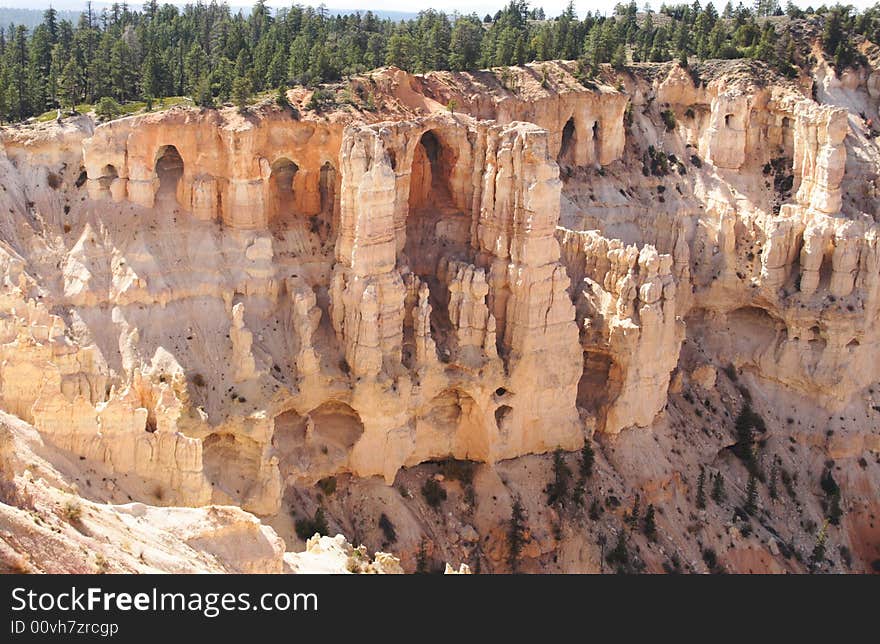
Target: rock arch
point(755, 328)
point(312, 445)
point(169, 168)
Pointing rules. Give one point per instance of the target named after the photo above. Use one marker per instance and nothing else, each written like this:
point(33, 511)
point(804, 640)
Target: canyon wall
point(215, 305)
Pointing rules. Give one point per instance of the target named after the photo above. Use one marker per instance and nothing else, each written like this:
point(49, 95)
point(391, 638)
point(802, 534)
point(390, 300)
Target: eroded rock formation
point(215, 308)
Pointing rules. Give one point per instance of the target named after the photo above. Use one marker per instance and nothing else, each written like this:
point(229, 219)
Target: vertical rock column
point(367, 293)
point(527, 291)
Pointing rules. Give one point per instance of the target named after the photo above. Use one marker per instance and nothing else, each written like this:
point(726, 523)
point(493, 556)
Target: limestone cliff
point(204, 307)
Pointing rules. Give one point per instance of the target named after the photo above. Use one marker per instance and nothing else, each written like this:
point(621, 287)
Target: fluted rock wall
point(626, 310)
point(231, 303)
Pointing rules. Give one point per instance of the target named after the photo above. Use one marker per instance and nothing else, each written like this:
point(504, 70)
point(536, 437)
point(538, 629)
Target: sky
point(551, 7)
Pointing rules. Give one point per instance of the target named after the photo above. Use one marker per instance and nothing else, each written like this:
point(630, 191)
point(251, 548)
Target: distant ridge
point(71, 10)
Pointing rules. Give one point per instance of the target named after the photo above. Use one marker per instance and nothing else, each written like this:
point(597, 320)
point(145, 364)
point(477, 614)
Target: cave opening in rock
point(289, 442)
point(728, 120)
point(430, 226)
point(450, 425)
point(282, 202)
point(597, 385)
point(567, 148)
point(752, 328)
point(232, 465)
point(335, 428)
point(787, 136)
point(596, 143)
point(501, 415)
point(108, 175)
point(169, 170)
point(435, 227)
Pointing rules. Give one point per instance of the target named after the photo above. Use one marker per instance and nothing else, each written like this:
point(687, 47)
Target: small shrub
point(515, 535)
point(387, 529)
point(455, 470)
point(307, 528)
point(588, 458)
point(422, 558)
point(106, 109)
point(72, 512)
point(557, 490)
point(718, 493)
point(328, 485)
point(321, 99)
point(433, 492)
point(701, 491)
point(668, 117)
point(650, 527)
point(102, 564)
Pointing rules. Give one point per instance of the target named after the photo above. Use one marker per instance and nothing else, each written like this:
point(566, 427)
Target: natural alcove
point(282, 204)
point(169, 170)
point(231, 463)
point(108, 175)
point(567, 147)
point(454, 416)
point(435, 228)
point(596, 385)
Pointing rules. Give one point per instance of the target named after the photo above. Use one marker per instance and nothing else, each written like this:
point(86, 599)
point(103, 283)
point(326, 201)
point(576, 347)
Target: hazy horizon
point(551, 7)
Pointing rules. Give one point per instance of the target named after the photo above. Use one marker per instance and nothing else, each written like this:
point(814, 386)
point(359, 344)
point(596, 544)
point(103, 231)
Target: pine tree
point(70, 84)
point(242, 92)
point(588, 458)
point(633, 518)
point(557, 490)
point(650, 527)
point(774, 477)
point(422, 558)
point(515, 535)
point(718, 493)
point(751, 505)
point(701, 493)
point(204, 96)
point(817, 557)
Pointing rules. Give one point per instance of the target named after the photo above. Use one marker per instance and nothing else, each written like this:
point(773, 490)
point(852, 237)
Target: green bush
point(307, 528)
point(668, 117)
point(557, 489)
point(106, 109)
point(387, 529)
point(515, 535)
point(433, 492)
point(328, 485)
